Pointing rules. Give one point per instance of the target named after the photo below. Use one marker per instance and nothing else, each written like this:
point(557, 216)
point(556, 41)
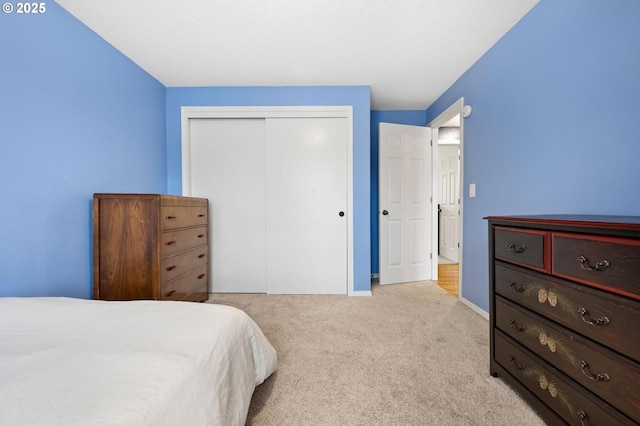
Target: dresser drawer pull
point(513, 248)
point(171, 218)
point(584, 264)
point(201, 256)
point(514, 364)
point(514, 287)
point(600, 377)
point(171, 268)
point(514, 325)
point(201, 276)
point(583, 416)
point(170, 243)
point(170, 293)
point(201, 236)
point(201, 215)
point(595, 321)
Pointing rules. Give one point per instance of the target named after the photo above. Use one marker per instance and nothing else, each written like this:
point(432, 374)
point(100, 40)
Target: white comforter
point(82, 362)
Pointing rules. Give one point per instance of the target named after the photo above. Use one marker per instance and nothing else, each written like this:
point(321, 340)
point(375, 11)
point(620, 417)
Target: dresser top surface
point(598, 221)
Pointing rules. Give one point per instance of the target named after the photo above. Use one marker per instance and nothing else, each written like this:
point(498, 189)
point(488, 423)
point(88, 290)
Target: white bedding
point(83, 362)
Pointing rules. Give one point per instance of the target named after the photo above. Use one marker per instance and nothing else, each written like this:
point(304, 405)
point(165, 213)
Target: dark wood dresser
point(565, 315)
point(150, 246)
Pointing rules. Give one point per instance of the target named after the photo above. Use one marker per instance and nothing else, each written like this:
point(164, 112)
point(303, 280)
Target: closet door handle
point(385, 212)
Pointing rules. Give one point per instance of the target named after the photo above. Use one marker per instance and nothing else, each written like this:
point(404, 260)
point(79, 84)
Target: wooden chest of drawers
point(565, 315)
point(149, 246)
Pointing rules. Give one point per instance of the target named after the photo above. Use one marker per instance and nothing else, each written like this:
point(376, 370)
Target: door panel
point(405, 203)
point(449, 202)
point(306, 191)
point(228, 168)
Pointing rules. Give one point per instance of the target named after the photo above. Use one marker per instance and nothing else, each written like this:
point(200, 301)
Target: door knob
point(384, 212)
point(341, 214)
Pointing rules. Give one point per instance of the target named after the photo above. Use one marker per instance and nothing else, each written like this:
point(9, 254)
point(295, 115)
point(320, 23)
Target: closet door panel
point(306, 205)
point(228, 168)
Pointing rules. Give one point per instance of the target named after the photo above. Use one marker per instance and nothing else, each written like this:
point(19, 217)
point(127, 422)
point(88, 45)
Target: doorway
point(448, 134)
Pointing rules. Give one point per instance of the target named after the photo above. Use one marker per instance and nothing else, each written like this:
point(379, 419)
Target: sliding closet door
point(306, 205)
point(228, 168)
point(277, 189)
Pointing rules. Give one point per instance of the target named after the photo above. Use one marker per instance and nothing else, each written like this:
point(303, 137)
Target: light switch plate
point(472, 190)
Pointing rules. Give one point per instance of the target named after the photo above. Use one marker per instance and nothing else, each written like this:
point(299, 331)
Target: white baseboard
point(475, 308)
point(361, 293)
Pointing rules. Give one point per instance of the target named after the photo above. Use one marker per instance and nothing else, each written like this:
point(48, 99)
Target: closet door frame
point(341, 111)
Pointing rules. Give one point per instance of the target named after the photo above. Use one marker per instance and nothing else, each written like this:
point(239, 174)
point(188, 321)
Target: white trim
point(475, 308)
point(440, 120)
point(339, 111)
point(361, 293)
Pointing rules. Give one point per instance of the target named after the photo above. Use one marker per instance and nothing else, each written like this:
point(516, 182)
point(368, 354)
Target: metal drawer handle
point(170, 243)
point(514, 325)
point(201, 215)
point(584, 264)
point(514, 287)
point(201, 256)
point(171, 218)
point(521, 249)
point(201, 276)
point(171, 268)
point(595, 321)
point(583, 417)
point(514, 364)
point(600, 377)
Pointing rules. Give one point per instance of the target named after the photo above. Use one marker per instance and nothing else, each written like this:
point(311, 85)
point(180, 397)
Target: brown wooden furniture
point(149, 246)
point(565, 315)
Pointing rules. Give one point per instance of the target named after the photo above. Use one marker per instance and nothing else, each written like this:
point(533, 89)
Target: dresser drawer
point(179, 217)
point(173, 242)
point(603, 372)
point(174, 266)
point(525, 247)
point(182, 287)
point(609, 319)
point(560, 393)
point(606, 262)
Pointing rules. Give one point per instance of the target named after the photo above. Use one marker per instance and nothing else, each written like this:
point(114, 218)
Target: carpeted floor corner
point(409, 355)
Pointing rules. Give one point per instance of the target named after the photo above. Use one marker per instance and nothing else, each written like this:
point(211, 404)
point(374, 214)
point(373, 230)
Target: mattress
point(67, 361)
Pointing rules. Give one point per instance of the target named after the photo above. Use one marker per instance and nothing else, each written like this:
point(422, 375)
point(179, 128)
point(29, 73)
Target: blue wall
point(76, 117)
point(555, 125)
point(357, 96)
point(410, 117)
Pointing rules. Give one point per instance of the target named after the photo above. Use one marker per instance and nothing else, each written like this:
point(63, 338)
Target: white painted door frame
point(439, 121)
point(196, 112)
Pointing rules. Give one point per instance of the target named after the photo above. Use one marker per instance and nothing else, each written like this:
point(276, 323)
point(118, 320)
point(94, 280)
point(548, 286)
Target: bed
point(67, 361)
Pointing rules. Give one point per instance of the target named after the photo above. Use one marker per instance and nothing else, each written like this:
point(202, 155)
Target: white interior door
point(405, 203)
point(306, 205)
point(228, 168)
point(449, 201)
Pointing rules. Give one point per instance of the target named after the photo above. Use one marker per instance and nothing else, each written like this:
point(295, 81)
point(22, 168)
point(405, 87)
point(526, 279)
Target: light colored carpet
point(409, 355)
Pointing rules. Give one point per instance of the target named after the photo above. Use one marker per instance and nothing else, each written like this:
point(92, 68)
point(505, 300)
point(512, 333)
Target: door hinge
point(458, 245)
point(430, 255)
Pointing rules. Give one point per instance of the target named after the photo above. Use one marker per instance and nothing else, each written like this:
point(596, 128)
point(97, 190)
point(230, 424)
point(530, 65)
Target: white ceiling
point(408, 51)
